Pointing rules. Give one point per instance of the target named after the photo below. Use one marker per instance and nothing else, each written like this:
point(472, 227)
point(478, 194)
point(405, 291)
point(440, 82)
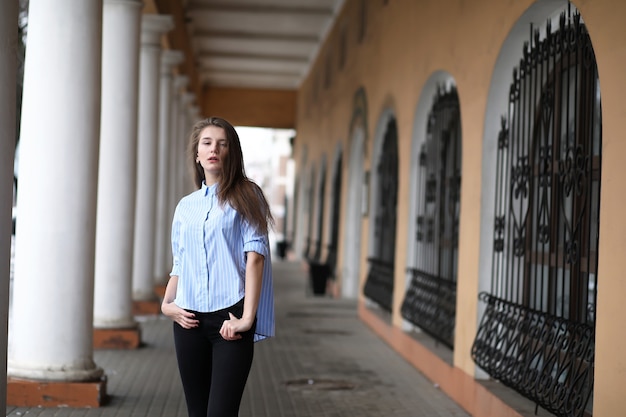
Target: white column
point(176, 146)
point(178, 140)
point(54, 254)
point(185, 180)
point(8, 46)
point(194, 114)
point(118, 159)
point(169, 59)
point(153, 26)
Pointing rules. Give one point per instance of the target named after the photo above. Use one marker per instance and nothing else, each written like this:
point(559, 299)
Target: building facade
point(480, 157)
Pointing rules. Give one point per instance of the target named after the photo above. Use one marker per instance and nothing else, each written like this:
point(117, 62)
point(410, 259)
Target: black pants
point(213, 371)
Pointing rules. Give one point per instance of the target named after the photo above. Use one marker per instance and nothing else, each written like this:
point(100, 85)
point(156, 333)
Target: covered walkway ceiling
point(253, 44)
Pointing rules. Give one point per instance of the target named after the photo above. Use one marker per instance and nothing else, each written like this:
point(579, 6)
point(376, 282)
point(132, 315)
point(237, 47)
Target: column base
point(128, 338)
point(146, 308)
point(30, 393)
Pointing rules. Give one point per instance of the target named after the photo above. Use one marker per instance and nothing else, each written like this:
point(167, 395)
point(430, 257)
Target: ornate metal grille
point(430, 300)
point(537, 333)
point(379, 283)
point(311, 198)
point(320, 215)
point(331, 259)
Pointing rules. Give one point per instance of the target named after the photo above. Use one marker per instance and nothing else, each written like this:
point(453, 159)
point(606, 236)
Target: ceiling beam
point(260, 8)
point(205, 54)
point(198, 33)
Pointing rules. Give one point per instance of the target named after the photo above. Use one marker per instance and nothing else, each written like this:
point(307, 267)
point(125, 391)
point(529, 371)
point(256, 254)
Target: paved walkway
point(324, 362)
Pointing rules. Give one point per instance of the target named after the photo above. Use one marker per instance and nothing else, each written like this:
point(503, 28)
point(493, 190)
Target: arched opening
point(380, 278)
point(430, 299)
point(335, 204)
point(537, 331)
point(353, 216)
point(353, 212)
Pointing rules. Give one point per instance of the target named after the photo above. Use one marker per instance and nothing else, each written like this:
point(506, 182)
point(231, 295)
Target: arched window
point(333, 244)
point(430, 300)
point(320, 204)
point(537, 332)
point(379, 284)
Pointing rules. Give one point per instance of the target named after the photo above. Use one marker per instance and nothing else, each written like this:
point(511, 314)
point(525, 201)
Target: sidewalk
point(324, 362)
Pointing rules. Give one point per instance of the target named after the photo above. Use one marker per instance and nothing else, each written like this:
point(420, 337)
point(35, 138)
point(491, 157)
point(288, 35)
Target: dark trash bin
point(319, 274)
point(281, 249)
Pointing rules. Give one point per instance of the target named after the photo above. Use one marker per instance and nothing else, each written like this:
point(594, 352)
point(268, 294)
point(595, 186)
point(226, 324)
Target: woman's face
point(212, 151)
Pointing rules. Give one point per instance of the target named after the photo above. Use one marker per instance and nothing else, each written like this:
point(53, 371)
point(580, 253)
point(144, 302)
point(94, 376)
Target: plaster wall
point(251, 107)
point(404, 43)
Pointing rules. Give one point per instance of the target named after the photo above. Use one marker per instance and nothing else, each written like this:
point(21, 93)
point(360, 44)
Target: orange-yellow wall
point(251, 107)
point(406, 41)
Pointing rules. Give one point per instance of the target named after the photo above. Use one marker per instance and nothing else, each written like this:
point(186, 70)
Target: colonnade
point(103, 135)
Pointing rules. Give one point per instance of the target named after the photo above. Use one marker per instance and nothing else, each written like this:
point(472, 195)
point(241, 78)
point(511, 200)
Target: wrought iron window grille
point(537, 334)
point(379, 283)
point(317, 254)
point(430, 299)
point(331, 258)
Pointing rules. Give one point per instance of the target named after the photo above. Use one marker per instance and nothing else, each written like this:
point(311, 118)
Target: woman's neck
point(210, 180)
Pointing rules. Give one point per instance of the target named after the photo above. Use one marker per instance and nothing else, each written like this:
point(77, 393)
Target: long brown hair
point(234, 186)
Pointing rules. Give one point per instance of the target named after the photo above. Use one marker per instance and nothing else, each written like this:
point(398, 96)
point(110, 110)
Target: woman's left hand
point(232, 328)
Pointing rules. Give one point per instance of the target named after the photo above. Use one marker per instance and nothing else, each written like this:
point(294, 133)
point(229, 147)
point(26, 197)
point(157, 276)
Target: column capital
point(187, 98)
point(194, 111)
point(169, 59)
point(153, 26)
point(181, 81)
point(137, 3)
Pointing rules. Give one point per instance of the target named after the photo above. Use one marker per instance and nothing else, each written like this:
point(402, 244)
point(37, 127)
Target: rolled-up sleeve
point(253, 240)
point(175, 245)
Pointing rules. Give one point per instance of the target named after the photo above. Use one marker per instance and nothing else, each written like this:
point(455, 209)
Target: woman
point(220, 293)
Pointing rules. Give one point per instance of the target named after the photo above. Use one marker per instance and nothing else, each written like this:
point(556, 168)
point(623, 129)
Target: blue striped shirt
point(209, 245)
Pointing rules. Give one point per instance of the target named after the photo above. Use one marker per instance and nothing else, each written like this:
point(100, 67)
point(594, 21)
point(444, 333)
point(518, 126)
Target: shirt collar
point(209, 190)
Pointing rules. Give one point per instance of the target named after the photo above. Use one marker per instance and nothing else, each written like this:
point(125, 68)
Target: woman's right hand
point(184, 318)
